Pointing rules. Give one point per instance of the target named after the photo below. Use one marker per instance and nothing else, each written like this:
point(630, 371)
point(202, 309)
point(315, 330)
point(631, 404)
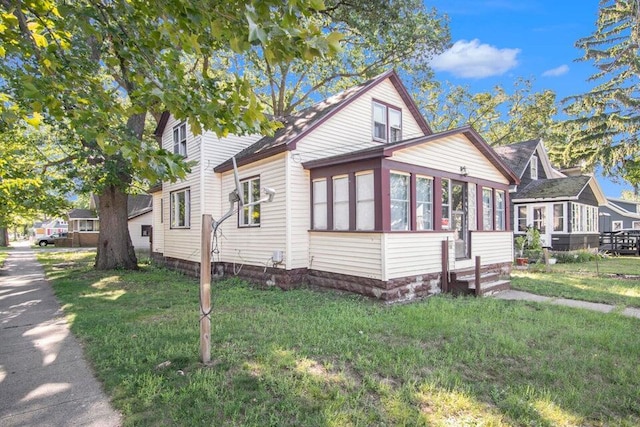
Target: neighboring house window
point(635, 225)
point(534, 167)
point(446, 204)
point(145, 231)
point(365, 207)
point(320, 204)
point(558, 217)
point(341, 203)
point(387, 123)
point(180, 209)
point(424, 203)
point(522, 218)
point(399, 201)
point(250, 216)
point(473, 212)
point(180, 139)
point(616, 225)
point(540, 219)
point(500, 218)
point(487, 209)
point(88, 225)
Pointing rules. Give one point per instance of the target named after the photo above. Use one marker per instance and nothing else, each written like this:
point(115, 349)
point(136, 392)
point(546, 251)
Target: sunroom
point(384, 213)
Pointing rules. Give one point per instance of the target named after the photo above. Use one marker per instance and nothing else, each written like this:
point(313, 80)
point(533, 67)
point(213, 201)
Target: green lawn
point(308, 358)
point(580, 281)
point(4, 254)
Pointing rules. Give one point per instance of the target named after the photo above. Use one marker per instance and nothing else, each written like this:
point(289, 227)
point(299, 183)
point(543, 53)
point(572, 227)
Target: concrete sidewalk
point(44, 378)
point(594, 306)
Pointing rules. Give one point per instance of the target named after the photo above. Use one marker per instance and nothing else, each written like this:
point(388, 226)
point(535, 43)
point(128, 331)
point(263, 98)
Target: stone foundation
point(395, 290)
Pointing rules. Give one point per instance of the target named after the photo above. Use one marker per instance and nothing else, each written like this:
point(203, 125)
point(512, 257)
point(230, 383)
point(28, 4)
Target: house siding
point(354, 254)
point(409, 254)
point(255, 245)
point(298, 214)
point(135, 230)
point(351, 128)
point(492, 248)
point(449, 154)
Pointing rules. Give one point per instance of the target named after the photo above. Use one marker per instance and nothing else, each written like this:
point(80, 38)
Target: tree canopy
point(607, 117)
point(97, 69)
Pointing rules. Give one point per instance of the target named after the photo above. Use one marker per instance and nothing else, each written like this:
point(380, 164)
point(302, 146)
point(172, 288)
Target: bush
point(571, 257)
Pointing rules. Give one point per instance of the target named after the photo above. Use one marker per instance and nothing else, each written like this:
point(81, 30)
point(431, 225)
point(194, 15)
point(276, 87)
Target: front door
point(459, 218)
point(540, 223)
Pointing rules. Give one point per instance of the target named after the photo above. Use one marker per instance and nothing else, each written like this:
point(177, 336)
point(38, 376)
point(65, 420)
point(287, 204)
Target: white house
point(368, 199)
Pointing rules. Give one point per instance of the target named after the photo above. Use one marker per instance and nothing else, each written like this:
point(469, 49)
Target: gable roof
point(621, 210)
point(517, 155)
point(388, 149)
point(82, 214)
point(138, 205)
point(565, 188)
point(297, 125)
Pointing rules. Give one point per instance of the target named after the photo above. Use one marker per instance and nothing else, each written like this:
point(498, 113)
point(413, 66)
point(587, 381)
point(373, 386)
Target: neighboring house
point(619, 214)
point(368, 199)
point(84, 228)
point(140, 220)
point(563, 208)
point(48, 227)
point(84, 224)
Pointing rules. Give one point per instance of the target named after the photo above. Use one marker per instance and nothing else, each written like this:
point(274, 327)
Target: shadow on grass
point(305, 358)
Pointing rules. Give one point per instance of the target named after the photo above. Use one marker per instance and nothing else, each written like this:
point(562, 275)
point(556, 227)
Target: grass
point(306, 358)
point(4, 254)
point(581, 281)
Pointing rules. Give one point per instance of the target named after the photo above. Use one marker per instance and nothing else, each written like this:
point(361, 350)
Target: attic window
point(387, 123)
point(534, 167)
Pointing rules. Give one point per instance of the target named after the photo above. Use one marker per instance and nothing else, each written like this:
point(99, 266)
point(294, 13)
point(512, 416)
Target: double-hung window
point(487, 209)
point(320, 204)
point(500, 210)
point(558, 217)
point(365, 207)
point(446, 204)
point(522, 218)
point(341, 203)
point(180, 209)
point(250, 215)
point(387, 123)
point(180, 139)
point(424, 203)
point(399, 201)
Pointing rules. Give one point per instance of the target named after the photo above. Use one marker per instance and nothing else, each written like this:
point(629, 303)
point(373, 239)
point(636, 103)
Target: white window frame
point(389, 135)
point(616, 225)
point(395, 129)
point(319, 204)
point(406, 221)
point(424, 208)
point(249, 216)
point(341, 220)
point(176, 213)
point(180, 139)
point(365, 203)
point(472, 209)
point(563, 217)
point(533, 167)
point(83, 225)
point(521, 226)
point(635, 225)
point(500, 206)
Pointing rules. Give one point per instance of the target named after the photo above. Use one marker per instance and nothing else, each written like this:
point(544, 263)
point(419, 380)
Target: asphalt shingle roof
point(570, 186)
point(517, 155)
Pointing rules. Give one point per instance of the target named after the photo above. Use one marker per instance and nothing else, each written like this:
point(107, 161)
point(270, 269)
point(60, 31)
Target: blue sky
point(498, 41)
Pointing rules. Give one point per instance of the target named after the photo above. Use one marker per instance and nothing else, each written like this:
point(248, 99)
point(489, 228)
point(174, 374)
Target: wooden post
point(545, 253)
point(478, 293)
point(205, 289)
point(445, 266)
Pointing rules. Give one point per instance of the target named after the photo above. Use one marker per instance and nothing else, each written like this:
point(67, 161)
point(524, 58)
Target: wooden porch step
point(490, 288)
point(470, 279)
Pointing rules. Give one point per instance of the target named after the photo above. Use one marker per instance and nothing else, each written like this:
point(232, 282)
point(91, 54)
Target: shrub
point(570, 257)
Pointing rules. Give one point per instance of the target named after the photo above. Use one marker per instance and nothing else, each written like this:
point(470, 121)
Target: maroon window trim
point(388, 131)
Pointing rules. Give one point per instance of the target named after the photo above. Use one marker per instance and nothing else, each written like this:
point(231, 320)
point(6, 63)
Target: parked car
point(51, 240)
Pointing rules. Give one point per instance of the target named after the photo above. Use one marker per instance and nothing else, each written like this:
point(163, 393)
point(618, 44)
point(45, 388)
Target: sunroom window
point(365, 207)
point(399, 201)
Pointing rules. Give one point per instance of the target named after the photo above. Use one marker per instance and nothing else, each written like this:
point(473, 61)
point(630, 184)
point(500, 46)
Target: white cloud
point(475, 60)
point(555, 72)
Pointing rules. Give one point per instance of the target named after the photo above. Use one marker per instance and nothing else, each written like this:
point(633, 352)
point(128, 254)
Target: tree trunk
point(4, 237)
point(115, 249)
